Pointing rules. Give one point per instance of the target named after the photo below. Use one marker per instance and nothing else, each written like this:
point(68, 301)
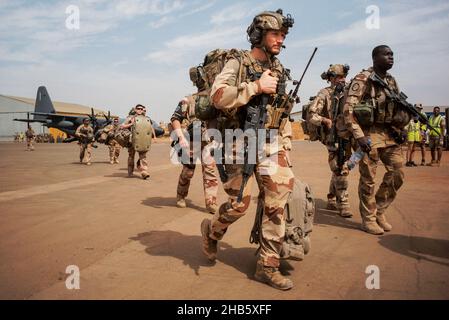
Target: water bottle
point(356, 157)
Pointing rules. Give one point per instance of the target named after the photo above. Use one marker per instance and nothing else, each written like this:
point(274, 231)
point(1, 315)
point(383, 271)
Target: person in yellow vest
point(436, 136)
point(414, 138)
point(423, 131)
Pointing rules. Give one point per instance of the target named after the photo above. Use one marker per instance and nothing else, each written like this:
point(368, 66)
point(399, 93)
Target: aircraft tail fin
point(43, 102)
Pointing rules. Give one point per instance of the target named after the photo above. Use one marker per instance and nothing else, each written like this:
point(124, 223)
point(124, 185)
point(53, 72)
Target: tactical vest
point(251, 70)
point(376, 108)
point(435, 122)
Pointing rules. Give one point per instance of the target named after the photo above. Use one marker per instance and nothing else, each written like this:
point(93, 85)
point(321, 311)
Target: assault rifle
point(334, 138)
point(255, 119)
point(257, 115)
point(401, 100)
point(86, 139)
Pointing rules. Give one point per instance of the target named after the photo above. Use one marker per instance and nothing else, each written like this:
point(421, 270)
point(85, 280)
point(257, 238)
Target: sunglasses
point(140, 109)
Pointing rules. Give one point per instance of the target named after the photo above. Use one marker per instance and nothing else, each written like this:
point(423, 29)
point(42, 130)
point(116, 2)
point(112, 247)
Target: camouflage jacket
point(185, 112)
point(235, 87)
point(83, 133)
point(362, 90)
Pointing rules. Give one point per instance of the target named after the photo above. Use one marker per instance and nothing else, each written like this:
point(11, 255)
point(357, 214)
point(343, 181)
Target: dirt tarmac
point(130, 241)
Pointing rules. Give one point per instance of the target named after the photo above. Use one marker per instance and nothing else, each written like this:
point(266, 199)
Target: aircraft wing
point(30, 120)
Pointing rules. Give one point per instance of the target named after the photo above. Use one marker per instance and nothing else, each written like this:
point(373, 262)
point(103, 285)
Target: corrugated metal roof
point(64, 107)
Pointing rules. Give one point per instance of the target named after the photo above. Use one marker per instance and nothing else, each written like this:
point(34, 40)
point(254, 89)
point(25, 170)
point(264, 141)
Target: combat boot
point(331, 204)
point(181, 202)
point(145, 175)
point(212, 208)
point(372, 227)
point(209, 245)
point(345, 213)
point(272, 276)
point(383, 223)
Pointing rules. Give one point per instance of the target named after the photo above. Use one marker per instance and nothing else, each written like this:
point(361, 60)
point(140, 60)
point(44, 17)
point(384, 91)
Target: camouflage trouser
point(30, 143)
point(85, 152)
point(114, 150)
point(275, 190)
point(142, 164)
point(372, 204)
point(210, 182)
point(338, 186)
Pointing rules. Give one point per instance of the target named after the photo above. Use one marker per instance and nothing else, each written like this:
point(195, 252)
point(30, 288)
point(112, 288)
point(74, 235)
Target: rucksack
point(142, 134)
point(310, 129)
point(299, 214)
point(203, 76)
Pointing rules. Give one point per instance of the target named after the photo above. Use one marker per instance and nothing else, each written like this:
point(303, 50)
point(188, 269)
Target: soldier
point(436, 136)
point(142, 164)
point(185, 114)
point(85, 135)
point(113, 145)
point(370, 114)
point(30, 136)
point(321, 113)
point(234, 89)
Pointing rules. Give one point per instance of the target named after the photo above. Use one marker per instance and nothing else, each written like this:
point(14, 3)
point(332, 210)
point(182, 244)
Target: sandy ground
point(131, 242)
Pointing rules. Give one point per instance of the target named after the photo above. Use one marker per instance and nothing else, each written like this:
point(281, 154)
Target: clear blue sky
point(129, 52)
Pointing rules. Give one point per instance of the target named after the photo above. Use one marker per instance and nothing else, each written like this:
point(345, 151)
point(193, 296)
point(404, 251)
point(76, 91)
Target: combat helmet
point(335, 70)
point(268, 20)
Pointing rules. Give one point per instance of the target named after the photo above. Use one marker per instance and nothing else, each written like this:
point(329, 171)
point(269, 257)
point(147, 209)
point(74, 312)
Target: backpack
point(203, 76)
point(310, 129)
point(299, 213)
point(142, 134)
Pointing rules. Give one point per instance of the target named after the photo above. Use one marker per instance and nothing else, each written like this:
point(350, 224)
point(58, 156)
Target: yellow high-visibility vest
point(413, 132)
point(435, 122)
point(423, 126)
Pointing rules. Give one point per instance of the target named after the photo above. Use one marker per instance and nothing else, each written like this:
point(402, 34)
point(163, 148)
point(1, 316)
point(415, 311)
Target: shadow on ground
point(124, 175)
point(170, 202)
point(331, 218)
point(428, 249)
point(187, 248)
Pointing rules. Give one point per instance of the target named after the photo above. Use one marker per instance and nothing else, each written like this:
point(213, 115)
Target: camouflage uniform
point(185, 114)
point(373, 205)
point(84, 132)
point(338, 187)
point(142, 164)
point(114, 146)
point(30, 136)
point(275, 188)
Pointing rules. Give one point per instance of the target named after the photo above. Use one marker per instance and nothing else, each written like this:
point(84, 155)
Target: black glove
point(364, 144)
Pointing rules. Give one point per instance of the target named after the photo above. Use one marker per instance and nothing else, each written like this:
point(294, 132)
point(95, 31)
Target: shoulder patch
point(355, 87)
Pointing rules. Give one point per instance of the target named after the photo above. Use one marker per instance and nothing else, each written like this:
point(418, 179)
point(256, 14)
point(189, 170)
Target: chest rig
point(251, 70)
point(384, 109)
